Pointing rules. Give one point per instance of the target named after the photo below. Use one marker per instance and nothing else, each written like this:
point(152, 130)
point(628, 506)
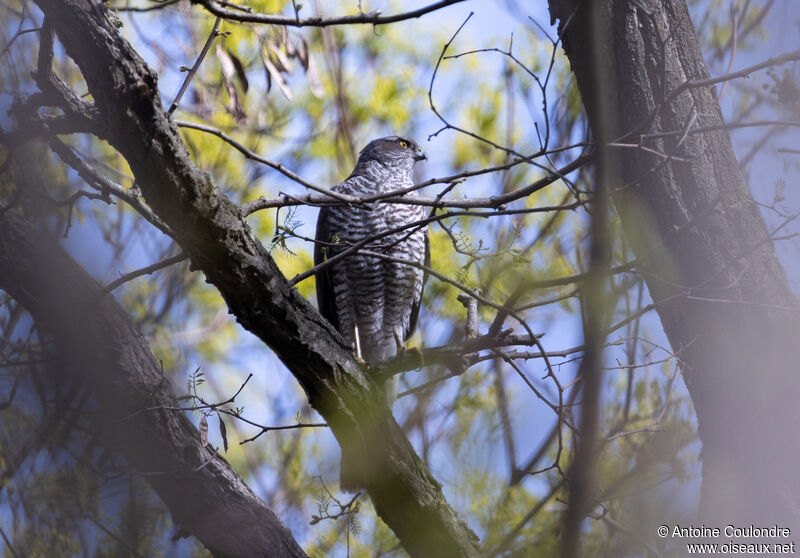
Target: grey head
point(392, 154)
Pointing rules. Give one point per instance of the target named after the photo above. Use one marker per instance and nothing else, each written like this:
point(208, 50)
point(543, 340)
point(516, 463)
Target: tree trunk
point(702, 245)
point(109, 355)
point(212, 230)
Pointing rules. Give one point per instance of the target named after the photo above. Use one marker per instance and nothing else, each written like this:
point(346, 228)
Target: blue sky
point(490, 26)
point(273, 393)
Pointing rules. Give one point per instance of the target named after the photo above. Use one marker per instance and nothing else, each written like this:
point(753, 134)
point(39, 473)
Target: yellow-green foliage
point(55, 501)
point(362, 81)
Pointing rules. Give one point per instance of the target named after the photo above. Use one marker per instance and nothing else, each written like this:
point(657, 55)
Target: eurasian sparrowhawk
point(373, 302)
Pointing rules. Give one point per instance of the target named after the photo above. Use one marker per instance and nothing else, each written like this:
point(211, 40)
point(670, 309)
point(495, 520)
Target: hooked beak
point(419, 155)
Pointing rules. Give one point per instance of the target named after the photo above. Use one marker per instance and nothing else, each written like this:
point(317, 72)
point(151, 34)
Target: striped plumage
point(380, 297)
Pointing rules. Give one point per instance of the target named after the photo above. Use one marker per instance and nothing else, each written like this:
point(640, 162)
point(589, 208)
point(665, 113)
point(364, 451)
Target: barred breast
point(380, 297)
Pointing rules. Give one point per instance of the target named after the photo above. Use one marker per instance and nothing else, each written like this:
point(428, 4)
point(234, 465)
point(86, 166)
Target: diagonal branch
point(196, 66)
point(166, 262)
point(111, 357)
point(212, 231)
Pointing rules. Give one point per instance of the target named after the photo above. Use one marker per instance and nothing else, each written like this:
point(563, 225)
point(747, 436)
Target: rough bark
point(703, 246)
point(212, 231)
point(104, 349)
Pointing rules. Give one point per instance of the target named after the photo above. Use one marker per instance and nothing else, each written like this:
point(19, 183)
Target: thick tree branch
point(652, 67)
point(212, 231)
point(111, 357)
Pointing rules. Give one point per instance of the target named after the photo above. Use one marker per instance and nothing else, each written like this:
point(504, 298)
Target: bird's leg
point(357, 340)
point(398, 341)
point(402, 349)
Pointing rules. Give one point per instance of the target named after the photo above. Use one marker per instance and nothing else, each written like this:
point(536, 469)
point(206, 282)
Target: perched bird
point(374, 302)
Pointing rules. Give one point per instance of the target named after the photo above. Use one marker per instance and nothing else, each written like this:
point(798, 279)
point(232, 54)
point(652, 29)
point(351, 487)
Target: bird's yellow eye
point(403, 144)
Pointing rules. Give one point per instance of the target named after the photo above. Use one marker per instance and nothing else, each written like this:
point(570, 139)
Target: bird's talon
point(401, 348)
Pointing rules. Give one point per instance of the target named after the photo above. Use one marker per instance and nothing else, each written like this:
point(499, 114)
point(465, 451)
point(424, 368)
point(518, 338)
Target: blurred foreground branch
point(112, 358)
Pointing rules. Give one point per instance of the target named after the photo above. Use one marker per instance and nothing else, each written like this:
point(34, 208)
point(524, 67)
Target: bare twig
point(512, 534)
point(697, 83)
point(733, 41)
point(457, 356)
point(492, 202)
point(329, 194)
point(448, 126)
point(104, 184)
point(196, 66)
point(374, 17)
point(265, 429)
point(166, 262)
point(157, 5)
point(657, 419)
point(633, 535)
point(8, 543)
